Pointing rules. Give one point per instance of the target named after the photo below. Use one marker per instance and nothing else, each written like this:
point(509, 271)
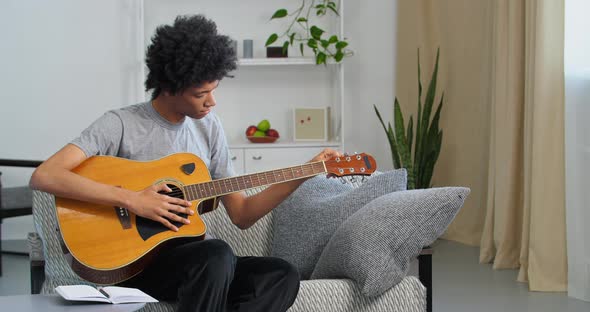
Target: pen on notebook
point(103, 292)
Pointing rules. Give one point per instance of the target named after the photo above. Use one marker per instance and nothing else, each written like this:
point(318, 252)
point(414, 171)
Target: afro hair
point(187, 54)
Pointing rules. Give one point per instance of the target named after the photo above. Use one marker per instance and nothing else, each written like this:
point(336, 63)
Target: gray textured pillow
point(304, 222)
point(375, 245)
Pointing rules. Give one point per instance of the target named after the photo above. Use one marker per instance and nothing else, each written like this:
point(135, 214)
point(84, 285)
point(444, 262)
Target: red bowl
point(264, 139)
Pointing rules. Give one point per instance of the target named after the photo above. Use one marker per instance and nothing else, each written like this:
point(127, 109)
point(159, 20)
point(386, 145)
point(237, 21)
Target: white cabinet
point(237, 159)
point(263, 159)
point(251, 158)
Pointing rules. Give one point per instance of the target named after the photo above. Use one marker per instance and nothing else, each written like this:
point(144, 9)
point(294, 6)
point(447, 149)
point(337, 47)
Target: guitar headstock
point(357, 164)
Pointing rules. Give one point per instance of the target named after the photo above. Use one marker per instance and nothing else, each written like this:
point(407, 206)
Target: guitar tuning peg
point(353, 179)
point(364, 179)
point(342, 180)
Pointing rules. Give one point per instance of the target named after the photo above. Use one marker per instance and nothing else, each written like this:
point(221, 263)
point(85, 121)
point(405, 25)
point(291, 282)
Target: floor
point(15, 278)
point(460, 283)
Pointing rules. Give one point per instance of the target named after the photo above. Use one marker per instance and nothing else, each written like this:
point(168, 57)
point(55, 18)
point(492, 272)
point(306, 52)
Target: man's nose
point(211, 100)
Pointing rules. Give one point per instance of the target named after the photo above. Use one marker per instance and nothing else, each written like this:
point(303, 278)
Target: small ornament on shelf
point(248, 48)
point(311, 123)
point(276, 52)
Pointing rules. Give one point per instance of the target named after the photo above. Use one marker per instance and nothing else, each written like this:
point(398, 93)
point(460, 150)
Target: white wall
point(371, 28)
point(64, 63)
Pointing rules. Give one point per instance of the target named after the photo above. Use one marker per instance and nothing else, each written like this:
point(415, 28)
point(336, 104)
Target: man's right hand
point(55, 176)
point(148, 203)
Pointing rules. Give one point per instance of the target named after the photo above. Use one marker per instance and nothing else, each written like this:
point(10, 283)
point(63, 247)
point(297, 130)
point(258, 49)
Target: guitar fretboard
point(235, 184)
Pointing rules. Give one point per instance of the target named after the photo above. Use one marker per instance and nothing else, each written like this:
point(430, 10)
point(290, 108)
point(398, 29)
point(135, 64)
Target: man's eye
point(199, 96)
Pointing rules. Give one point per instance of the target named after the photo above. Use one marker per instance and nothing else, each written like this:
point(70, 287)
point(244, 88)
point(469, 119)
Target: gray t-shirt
point(139, 132)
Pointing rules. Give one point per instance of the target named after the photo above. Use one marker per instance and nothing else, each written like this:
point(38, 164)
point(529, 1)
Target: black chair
point(15, 201)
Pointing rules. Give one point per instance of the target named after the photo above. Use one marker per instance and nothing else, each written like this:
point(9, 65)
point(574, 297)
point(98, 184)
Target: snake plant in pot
point(428, 137)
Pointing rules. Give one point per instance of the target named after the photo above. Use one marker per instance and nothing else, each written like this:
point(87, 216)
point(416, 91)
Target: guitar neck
point(236, 184)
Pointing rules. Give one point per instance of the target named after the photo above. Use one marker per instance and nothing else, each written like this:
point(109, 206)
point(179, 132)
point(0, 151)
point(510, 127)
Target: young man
point(186, 62)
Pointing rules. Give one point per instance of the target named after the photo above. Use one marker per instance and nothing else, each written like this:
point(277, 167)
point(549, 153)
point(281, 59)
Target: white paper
point(125, 294)
point(115, 294)
point(81, 293)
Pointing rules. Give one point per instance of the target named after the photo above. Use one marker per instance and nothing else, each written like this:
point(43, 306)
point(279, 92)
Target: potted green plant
point(428, 136)
point(302, 31)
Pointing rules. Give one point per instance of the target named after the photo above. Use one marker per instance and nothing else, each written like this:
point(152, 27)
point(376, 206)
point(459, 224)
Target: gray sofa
point(49, 269)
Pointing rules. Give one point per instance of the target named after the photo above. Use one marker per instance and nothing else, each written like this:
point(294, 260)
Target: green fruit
point(263, 125)
point(259, 133)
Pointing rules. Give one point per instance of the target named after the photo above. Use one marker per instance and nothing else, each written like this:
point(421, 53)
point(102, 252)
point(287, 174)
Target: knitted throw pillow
point(304, 222)
point(375, 245)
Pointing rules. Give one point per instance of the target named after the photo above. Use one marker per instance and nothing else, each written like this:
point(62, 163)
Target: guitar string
point(178, 193)
point(256, 177)
point(257, 180)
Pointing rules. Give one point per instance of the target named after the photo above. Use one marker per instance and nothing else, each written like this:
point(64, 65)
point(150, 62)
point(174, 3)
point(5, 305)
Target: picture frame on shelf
point(310, 123)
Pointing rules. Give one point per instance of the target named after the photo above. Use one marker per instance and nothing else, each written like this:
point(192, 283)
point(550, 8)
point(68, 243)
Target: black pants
point(207, 276)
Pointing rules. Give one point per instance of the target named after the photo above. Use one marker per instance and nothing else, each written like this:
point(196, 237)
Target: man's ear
point(167, 93)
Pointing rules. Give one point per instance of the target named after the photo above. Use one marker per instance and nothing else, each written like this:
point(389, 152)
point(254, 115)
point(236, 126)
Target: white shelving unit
point(255, 157)
point(276, 61)
point(251, 157)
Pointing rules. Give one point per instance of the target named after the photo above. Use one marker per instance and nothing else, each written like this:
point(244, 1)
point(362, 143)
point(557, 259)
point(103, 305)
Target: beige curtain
point(503, 124)
point(461, 29)
point(525, 219)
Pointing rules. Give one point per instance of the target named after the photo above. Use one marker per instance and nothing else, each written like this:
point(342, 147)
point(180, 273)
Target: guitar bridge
point(124, 217)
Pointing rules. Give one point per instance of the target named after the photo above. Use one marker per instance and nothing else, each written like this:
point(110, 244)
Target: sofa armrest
point(345, 295)
point(37, 262)
point(425, 274)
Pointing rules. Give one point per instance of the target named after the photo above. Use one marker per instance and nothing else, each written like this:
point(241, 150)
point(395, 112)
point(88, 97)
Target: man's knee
point(218, 249)
point(220, 261)
point(290, 277)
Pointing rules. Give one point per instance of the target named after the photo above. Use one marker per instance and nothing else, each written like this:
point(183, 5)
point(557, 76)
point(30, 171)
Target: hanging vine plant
point(304, 33)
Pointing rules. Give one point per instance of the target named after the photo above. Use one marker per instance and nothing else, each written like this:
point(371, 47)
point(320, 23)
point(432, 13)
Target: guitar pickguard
point(148, 228)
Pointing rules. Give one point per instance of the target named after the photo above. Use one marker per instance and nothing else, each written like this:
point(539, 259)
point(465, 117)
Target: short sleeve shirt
point(139, 132)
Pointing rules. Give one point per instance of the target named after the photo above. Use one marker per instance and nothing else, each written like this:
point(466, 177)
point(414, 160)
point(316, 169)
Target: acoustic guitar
point(108, 245)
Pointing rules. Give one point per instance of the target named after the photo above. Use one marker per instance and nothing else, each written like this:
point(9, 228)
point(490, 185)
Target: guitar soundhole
point(148, 228)
point(177, 193)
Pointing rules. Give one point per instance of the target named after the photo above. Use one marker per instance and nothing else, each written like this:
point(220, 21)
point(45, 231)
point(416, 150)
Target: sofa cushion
point(375, 245)
point(305, 221)
point(254, 241)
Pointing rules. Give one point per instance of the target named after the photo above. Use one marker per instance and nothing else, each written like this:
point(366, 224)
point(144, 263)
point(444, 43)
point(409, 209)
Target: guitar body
point(106, 244)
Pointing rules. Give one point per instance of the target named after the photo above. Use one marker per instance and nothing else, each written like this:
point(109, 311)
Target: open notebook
point(109, 294)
